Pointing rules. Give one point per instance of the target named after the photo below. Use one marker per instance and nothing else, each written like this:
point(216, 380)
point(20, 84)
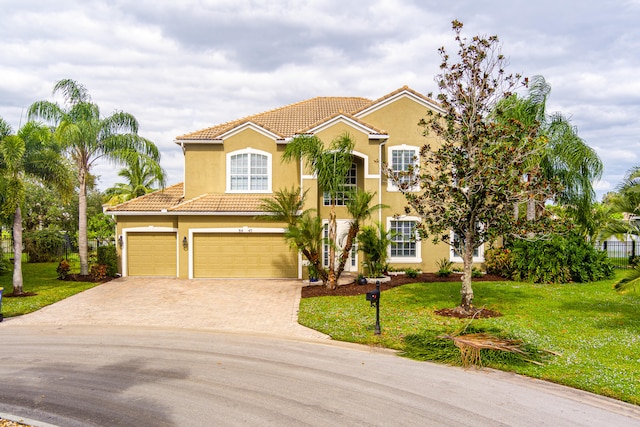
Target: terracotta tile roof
point(222, 203)
point(171, 200)
point(289, 120)
point(156, 201)
point(393, 94)
point(373, 129)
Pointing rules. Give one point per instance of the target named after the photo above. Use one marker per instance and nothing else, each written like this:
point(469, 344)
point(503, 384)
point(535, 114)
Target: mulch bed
point(356, 289)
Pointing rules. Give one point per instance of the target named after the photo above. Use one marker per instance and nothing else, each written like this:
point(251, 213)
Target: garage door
point(243, 255)
point(151, 254)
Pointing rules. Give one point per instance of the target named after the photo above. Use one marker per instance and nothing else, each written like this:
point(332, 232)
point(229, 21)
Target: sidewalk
point(259, 306)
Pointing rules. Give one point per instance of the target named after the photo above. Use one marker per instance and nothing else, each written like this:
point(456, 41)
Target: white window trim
point(406, 260)
point(269, 171)
point(458, 259)
point(391, 186)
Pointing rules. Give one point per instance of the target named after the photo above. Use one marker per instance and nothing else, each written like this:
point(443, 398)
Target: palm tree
point(141, 176)
point(358, 206)
point(567, 159)
point(304, 230)
point(30, 153)
point(330, 166)
point(88, 137)
point(631, 280)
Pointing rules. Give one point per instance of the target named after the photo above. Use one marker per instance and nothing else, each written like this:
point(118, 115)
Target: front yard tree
point(330, 166)
point(88, 137)
point(469, 183)
point(30, 154)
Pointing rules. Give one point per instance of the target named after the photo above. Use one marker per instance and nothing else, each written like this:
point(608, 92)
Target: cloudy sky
point(180, 66)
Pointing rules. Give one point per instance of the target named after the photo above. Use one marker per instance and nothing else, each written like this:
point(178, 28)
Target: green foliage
point(444, 267)
point(590, 327)
point(630, 281)
point(5, 265)
point(560, 259)
point(107, 256)
point(476, 273)
point(44, 245)
point(101, 226)
point(373, 241)
point(63, 269)
point(41, 279)
point(411, 272)
point(499, 261)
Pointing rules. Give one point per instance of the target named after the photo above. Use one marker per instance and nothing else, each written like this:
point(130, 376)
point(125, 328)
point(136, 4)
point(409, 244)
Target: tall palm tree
point(32, 152)
point(330, 166)
point(88, 137)
point(567, 159)
point(360, 208)
point(141, 176)
point(304, 229)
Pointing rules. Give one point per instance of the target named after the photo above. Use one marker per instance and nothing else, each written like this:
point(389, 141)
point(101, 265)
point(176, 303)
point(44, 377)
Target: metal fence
point(621, 254)
point(68, 251)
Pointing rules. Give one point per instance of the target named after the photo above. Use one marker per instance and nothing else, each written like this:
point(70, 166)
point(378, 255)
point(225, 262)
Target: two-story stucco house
point(207, 226)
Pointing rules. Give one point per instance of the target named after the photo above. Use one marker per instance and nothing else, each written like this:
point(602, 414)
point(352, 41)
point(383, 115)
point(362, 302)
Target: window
point(402, 159)
point(349, 185)
point(249, 171)
point(456, 256)
point(405, 246)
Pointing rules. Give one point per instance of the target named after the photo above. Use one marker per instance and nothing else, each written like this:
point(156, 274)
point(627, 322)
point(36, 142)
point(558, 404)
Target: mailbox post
point(374, 298)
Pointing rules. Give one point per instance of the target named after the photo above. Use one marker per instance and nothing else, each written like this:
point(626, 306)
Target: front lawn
point(594, 330)
point(41, 279)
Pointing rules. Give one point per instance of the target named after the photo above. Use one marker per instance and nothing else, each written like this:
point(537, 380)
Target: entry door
point(342, 233)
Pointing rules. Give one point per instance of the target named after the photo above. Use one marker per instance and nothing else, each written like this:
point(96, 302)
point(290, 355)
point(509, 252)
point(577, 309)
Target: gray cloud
point(183, 66)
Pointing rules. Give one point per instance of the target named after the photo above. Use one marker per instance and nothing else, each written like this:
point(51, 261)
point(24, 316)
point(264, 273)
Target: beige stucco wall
point(206, 164)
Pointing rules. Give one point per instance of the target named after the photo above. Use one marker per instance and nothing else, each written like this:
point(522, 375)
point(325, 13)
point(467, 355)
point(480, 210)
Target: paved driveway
point(234, 305)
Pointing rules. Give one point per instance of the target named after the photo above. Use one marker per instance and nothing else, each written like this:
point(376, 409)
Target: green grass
point(40, 278)
point(595, 330)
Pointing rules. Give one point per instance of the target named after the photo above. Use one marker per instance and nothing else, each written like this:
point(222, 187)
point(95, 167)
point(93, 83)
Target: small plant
point(63, 269)
point(99, 271)
point(444, 267)
point(107, 255)
point(410, 272)
point(476, 273)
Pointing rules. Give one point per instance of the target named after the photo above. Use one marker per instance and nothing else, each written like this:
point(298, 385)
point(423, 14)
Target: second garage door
point(237, 255)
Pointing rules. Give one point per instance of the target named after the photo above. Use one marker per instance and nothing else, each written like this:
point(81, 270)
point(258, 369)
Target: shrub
point(411, 272)
point(108, 256)
point(476, 273)
point(373, 241)
point(63, 269)
point(44, 245)
point(499, 261)
point(634, 260)
point(560, 259)
point(5, 265)
point(98, 271)
point(444, 267)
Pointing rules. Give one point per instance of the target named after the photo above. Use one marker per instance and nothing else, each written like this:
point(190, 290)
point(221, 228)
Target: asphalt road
point(123, 376)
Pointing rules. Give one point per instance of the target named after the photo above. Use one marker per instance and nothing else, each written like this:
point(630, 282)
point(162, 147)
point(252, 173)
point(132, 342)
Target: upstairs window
point(350, 184)
point(403, 158)
point(249, 171)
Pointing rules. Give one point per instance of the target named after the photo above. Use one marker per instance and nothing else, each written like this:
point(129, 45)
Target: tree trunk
point(333, 231)
point(531, 209)
point(466, 291)
point(83, 244)
point(17, 252)
point(354, 228)
point(516, 211)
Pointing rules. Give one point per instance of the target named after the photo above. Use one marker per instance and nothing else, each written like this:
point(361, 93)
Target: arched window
point(249, 171)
